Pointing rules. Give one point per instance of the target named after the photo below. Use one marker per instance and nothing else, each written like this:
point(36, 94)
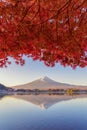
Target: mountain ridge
point(46, 83)
point(3, 87)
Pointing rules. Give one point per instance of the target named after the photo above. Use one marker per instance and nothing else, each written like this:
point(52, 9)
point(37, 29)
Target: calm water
point(43, 112)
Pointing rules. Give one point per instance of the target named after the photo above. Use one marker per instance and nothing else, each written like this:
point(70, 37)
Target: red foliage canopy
point(47, 30)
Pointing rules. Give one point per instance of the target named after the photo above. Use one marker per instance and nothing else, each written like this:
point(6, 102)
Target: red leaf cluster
point(51, 31)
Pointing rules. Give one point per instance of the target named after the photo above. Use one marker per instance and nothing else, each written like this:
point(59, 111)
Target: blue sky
point(32, 70)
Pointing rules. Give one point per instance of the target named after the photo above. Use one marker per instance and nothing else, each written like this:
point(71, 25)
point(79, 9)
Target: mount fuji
point(45, 83)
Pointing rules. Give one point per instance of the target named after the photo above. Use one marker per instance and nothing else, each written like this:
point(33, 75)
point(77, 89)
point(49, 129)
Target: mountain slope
point(45, 83)
point(2, 87)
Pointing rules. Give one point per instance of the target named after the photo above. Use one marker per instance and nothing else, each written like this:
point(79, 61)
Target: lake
point(43, 112)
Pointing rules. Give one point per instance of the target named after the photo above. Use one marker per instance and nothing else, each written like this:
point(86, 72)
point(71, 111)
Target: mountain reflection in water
point(60, 112)
point(44, 101)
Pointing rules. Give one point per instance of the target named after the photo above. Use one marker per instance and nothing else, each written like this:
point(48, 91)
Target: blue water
point(18, 114)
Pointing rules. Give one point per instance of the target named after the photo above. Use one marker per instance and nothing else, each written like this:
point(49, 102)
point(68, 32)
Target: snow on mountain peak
point(45, 78)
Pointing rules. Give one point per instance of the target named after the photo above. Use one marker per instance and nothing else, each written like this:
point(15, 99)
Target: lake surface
point(43, 112)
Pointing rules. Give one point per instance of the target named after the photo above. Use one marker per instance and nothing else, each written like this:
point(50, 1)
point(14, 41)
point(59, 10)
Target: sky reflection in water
point(43, 112)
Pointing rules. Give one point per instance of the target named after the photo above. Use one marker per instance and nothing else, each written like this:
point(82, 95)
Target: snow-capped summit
point(44, 83)
point(45, 78)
